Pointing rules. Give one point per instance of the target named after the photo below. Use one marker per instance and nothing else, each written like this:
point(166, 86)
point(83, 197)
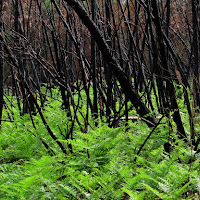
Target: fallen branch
point(134, 118)
point(154, 128)
point(6, 120)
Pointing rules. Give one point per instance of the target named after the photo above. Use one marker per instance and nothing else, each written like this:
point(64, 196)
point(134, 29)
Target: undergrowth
point(104, 163)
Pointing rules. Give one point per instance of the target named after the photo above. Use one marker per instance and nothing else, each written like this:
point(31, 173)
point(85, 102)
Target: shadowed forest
point(99, 99)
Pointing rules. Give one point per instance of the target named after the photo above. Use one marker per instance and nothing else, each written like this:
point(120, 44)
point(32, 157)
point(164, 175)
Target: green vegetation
point(99, 100)
point(104, 163)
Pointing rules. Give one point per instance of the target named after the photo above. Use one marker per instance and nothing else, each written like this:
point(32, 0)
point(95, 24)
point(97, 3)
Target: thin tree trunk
point(108, 73)
point(93, 62)
point(195, 50)
point(20, 55)
point(1, 62)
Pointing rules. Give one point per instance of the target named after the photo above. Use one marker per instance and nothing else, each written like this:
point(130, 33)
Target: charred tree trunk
point(93, 63)
point(69, 44)
point(132, 95)
point(169, 84)
point(1, 62)
point(21, 57)
point(195, 52)
point(108, 72)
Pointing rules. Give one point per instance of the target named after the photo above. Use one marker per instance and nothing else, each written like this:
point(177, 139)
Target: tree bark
point(93, 63)
point(117, 70)
point(169, 84)
point(1, 62)
point(195, 51)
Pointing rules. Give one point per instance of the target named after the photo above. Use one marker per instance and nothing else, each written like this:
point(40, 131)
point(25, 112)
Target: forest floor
point(103, 163)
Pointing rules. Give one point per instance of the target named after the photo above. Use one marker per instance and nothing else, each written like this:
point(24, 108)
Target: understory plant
point(103, 162)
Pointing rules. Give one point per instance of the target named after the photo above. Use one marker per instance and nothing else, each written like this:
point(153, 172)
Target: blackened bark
point(1, 62)
point(53, 136)
point(93, 63)
point(21, 55)
point(169, 84)
point(70, 74)
point(156, 69)
point(108, 72)
point(112, 62)
point(195, 50)
point(58, 64)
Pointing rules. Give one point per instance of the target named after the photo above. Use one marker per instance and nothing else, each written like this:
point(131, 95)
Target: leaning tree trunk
point(117, 70)
point(1, 62)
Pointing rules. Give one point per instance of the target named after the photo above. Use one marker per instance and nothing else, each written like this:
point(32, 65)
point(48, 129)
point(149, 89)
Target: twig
point(148, 137)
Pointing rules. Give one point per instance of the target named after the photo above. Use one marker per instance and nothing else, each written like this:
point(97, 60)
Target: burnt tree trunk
point(1, 62)
point(169, 84)
point(117, 70)
point(93, 62)
point(195, 51)
point(108, 73)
